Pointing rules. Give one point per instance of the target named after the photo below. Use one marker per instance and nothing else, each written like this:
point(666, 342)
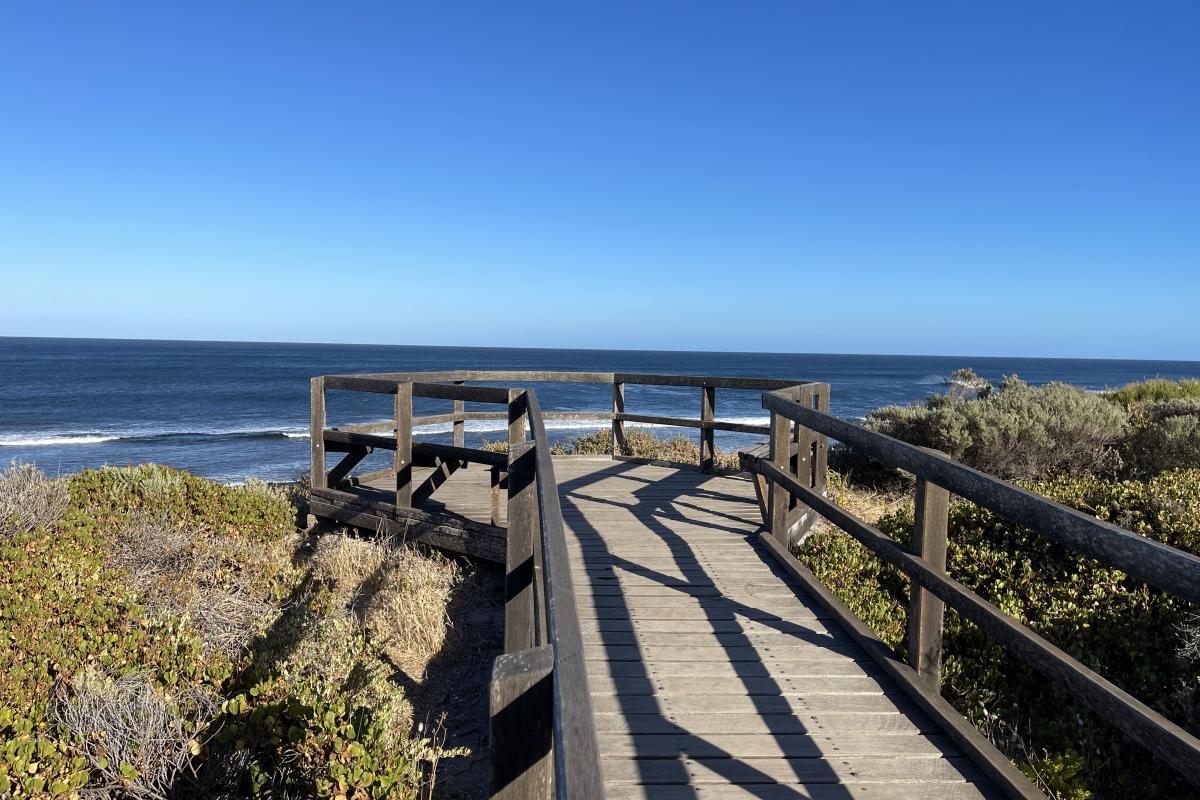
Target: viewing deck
point(661, 640)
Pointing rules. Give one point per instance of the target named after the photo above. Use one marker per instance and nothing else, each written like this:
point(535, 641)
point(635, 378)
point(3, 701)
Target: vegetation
point(641, 443)
point(1017, 431)
point(1143, 640)
point(1152, 391)
point(166, 636)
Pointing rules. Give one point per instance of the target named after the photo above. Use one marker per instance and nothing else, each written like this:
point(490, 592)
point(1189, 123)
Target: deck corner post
point(521, 725)
point(459, 427)
point(926, 611)
point(780, 454)
point(821, 445)
point(518, 416)
point(708, 407)
point(618, 425)
point(316, 433)
point(520, 578)
point(402, 455)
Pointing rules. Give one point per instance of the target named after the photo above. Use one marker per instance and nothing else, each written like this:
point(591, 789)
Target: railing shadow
point(601, 566)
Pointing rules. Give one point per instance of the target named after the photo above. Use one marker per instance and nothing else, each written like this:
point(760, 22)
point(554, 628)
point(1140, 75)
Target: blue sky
point(966, 178)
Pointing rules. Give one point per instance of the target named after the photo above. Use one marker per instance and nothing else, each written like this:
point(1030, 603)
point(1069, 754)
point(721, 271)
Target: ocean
point(233, 410)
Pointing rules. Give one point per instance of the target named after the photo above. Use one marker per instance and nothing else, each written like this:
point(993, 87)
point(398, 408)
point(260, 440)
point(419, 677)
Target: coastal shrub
point(1153, 391)
point(116, 680)
point(1128, 632)
point(1017, 432)
point(28, 499)
point(1164, 434)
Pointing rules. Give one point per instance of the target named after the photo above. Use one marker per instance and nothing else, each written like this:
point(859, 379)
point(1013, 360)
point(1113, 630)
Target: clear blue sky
point(957, 177)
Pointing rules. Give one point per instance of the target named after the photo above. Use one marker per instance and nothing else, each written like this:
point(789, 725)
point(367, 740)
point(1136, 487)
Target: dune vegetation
point(167, 636)
point(1130, 456)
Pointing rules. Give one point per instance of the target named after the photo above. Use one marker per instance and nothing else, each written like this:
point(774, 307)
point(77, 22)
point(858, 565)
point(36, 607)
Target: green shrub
point(1126, 631)
point(1017, 432)
point(109, 652)
point(1164, 434)
point(1154, 390)
point(641, 443)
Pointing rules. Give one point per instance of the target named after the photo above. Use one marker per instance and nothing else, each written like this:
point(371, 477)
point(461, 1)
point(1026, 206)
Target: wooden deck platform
point(712, 672)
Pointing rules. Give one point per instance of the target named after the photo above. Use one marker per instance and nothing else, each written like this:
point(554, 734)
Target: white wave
point(931, 380)
point(295, 434)
point(27, 440)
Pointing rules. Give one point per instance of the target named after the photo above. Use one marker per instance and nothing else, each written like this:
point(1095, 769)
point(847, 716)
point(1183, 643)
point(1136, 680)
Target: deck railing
point(800, 426)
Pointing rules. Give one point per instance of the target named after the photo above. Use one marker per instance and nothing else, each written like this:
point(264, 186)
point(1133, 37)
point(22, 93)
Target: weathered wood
point(718, 381)
point(414, 525)
point(708, 407)
point(925, 610)
point(441, 473)
point(618, 425)
point(518, 421)
point(1142, 558)
point(451, 391)
point(316, 427)
point(521, 625)
point(1165, 739)
point(402, 455)
point(521, 725)
point(703, 425)
point(348, 463)
point(577, 770)
point(780, 454)
point(459, 426)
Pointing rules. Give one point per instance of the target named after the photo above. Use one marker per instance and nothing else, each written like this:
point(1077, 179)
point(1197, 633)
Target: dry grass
point(222, 584)
point(138, 740)
point(867, 503)
point(28, 499)
point(400, 595)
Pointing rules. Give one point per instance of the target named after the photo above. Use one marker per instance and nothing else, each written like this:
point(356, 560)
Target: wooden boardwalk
point(712, 673)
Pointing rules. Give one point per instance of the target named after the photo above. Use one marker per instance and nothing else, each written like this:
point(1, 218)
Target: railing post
point(521, 725)
point(926, 611)
point(821, 445)
point(618, 426)
point(778, 501)
point(460, 431)
point(708, 407)
point(402, 455)
point(316, 433)
point(520, 606)
point(518, 413)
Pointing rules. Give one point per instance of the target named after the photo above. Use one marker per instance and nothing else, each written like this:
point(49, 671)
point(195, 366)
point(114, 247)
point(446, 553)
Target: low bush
point(1131, 634)
point(1153, 391)
point(28, 499)
point(163, 637)
point(1164, 434)
point(1017, 432)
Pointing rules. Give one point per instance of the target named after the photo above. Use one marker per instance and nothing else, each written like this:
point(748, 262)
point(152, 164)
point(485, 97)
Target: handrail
point(577, 770)
point(1153, 562)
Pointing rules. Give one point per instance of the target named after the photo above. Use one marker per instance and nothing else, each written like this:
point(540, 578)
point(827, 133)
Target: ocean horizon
point(235, 410)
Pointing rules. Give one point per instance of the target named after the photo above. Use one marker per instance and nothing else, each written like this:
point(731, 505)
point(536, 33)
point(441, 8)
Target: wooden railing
point(542, 734)
point(800, 426)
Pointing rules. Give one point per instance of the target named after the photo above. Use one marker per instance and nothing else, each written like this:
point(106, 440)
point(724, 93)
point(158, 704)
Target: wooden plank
point(618, 426)
point(708, 407)
point(815, 665)
point(403, 454)
point(903, 790)
point(663, 703)
point(434, 480)
point(890, 723)
point(856, 769)
point(777, 501)
point(458, 426)
point(521, 725)
point(521, 628)
point(343, 467)
point(798, 745)
point(316, 438)
point(715, 686)
point(926, 610)
point(731, 654)
point(431, 530)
